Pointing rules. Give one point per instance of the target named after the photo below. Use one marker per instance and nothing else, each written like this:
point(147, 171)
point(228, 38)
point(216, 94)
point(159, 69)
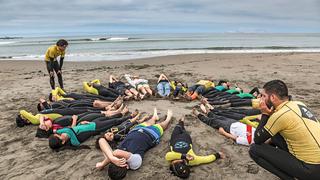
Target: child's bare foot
point(169, 114)
point(204, 100)
point(125, 110)
point(222, 155)
point(195, 112)
point(155, 114)
point(182, 118)
point(203, 109)
point(135, 113)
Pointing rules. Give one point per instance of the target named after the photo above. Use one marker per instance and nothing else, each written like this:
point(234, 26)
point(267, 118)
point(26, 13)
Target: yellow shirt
point(207, 84)
point(53, 52)
point(299, 128)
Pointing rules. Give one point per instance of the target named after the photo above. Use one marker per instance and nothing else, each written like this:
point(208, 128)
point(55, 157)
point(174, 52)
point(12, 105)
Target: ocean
point(132, 46)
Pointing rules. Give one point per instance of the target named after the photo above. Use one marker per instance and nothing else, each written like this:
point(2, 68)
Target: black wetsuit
point(106, 92)
point(216, 121)
point(53, 65)
point(234, 113)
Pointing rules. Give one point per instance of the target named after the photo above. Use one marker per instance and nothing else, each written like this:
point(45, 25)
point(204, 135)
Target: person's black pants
point(106, 92)
point(179, 132)
point(282, 163)
point(92, 97)
point(103, 124)
point(217, 121)
point(54, 66)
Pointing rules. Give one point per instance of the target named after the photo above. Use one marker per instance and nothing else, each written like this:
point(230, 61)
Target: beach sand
point(23, 156)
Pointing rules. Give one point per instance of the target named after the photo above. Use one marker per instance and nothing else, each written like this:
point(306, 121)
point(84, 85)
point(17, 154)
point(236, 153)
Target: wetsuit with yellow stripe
point(295, 131)
point(94, 87)
point(52, 64)
point(181, 145)
point(52, 114)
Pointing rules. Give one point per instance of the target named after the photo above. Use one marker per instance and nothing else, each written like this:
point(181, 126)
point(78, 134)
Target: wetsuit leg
point(90, 117)
point(65, 111)
point(57, 69)
point(217, 122)
point(102, 125)
point(241, 103)
point(247, 112)
point(179, 132)
point(50, 71)
point(103, 91)
point(282, 163)
point(228, 114)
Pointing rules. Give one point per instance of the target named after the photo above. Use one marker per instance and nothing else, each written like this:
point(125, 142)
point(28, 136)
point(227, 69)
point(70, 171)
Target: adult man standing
point(294, 132)
point(52, 53)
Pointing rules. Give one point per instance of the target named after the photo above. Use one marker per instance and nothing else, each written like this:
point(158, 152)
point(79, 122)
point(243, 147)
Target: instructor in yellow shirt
point(53, 52)
point(294, 133)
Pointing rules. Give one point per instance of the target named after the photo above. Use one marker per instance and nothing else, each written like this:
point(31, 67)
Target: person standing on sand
point(51, 61)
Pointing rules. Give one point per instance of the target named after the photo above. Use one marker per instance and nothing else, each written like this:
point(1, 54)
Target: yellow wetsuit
point(181, 146)
point(53, 52)
point(197, 160)
point(207, 84)
point(173, 86)
point(248, 120)
point(89, 88)
point(59, 93)
point(299, 128)
point(35, 119)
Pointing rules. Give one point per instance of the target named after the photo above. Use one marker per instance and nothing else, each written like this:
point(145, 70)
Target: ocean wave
point(127, 55)
point(6, 42)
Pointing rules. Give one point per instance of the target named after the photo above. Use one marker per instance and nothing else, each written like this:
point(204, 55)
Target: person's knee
point(253, 151)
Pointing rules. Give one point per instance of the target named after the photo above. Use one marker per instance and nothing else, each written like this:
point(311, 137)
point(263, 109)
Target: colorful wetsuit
point(181, 145)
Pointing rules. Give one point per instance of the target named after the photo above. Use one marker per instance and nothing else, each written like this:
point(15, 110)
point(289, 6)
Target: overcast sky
point(52, 17)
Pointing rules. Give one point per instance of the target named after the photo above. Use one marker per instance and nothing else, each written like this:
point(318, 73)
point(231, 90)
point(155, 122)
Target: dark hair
point(43, 133)
point(62, 42)
point(277, 87)
point(255, 89)
point(221, 82)
point(50, 97)
point(39, 107)
point(180, 169)
point(55, 142)
point(116, 172)
point(20, 122)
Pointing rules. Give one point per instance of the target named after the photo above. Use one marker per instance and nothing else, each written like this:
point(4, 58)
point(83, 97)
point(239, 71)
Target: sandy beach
point(23, 156)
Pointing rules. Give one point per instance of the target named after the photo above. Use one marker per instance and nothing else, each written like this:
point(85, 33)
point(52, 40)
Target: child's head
point(180, 169)
point(115, 172)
